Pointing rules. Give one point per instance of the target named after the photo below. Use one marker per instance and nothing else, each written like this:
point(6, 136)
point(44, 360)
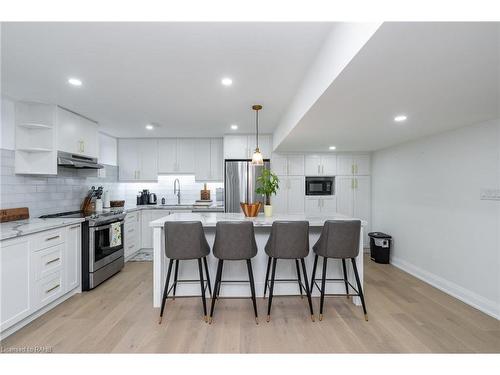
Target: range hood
point(65, 159)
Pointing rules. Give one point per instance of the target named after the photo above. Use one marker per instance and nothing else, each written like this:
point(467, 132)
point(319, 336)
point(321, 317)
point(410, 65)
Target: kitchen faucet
point(177, 190)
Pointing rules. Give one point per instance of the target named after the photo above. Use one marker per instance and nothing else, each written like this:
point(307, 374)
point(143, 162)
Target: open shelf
point(34, 125)
point(34, 149)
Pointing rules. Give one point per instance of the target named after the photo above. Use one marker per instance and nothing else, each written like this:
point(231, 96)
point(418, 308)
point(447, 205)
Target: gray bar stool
point(288, 240)
point(185, 240)
point(234, 240)
point(339, 239)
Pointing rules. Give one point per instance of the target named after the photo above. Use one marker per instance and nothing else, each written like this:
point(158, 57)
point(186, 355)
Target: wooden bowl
point(251, 209)
point(117, 203)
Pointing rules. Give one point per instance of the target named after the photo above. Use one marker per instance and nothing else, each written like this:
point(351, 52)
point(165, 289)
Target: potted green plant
point(268, 184)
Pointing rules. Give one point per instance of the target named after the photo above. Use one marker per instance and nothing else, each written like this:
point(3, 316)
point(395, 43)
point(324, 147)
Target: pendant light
point(257, 158)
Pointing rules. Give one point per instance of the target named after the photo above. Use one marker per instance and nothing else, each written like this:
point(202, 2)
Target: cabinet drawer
point(131, 217)
point(47, 261)
point(48, 289)
point(48, 239)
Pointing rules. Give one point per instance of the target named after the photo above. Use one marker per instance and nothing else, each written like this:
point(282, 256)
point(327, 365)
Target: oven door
point(106, 244)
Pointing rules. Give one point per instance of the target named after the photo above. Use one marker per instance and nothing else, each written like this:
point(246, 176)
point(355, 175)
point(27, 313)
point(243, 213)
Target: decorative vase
point(251, 209)
point(268, 210)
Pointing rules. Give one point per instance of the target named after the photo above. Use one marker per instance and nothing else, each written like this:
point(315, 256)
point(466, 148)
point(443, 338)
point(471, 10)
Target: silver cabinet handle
point(53, 288)
point(131, 246)
point(75, 226)
point(52, 238)
point(130, 230)
point(52, 261)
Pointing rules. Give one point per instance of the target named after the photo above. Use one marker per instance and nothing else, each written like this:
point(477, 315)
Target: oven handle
point(95, 229)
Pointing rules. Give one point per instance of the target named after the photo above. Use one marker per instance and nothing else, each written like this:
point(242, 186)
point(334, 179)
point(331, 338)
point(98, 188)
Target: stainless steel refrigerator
point(240, 182)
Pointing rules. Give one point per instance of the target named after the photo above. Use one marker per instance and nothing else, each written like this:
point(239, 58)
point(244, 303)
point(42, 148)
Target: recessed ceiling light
point(226, 81)
point(234, 127)
point(75, 82)
point(400, 118)
point(332, 148)
point(149, 127)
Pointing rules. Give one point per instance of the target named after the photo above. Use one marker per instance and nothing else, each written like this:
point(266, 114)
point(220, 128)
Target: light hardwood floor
point(406, 315)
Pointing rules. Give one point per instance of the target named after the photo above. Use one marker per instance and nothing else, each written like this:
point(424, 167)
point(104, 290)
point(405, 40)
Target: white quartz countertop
point(211, 219)
point(23, 227)
point(173, 207)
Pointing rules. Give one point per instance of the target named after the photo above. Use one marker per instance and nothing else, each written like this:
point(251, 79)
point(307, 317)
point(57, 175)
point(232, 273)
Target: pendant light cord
point(257, 127)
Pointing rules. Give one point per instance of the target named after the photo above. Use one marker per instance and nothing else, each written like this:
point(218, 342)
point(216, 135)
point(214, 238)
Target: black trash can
point(380, 247)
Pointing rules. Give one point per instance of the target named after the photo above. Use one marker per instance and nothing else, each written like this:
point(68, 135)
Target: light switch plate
point(490, 194)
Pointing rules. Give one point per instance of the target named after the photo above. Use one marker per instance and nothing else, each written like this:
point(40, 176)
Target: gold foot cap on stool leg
point(366, 317)
point(268, 318)
point(205, 318)
point(320, 317)
point(159, 320)
point(313, 318)
point(210, 320)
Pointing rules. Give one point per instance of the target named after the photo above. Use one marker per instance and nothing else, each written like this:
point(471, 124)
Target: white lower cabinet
point(36, 270)
point(15, 288)
point(132, 237)
point(290, 196)
point(146, 231)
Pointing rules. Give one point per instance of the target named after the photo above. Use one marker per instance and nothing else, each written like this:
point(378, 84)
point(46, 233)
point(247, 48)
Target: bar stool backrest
point(185, 240)
point(234, 240)
point(289, 240)
point(339, 239)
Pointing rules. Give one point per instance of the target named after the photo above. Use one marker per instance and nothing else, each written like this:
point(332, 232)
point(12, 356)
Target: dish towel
point(116, 235)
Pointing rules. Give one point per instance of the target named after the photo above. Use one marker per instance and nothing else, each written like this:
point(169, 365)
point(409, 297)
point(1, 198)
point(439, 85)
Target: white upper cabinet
point(148, 149)
point(77, 134)
point(288, 165)
point(235, 147)
point(208, 159)
point(243, 146)
point(138, 159)
point(185, 155)
point(176, 155)
point(216, 159)
point(321, 165)
point(355, 164)
point(167, 155)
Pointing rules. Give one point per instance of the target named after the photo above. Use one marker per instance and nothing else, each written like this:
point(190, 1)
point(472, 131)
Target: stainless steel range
point(102, 245)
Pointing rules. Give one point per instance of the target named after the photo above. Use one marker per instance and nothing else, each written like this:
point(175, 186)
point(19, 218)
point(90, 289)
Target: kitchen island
point(236, 270)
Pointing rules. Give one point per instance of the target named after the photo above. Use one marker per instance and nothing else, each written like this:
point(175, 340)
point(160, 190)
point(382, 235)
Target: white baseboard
point(471, 298)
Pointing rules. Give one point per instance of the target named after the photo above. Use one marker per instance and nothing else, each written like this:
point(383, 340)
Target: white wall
point(8, 124)
point(426, 194)
point(341, 45)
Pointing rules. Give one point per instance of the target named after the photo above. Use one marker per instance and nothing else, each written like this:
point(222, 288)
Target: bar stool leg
point(252, 289)
point(344, 269)
point(298, 277)
point(165, 291)
point(271, 289)
point(306, 284)
point(323, 282)
point(216, 289)
point(220, 279)
point(202, 285)
point(314, 272)
point(360, 289)
point(175, 277)
point(267, 275)
point(208, 276)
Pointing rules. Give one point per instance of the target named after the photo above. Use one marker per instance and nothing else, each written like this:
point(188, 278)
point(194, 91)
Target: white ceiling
point(165, 73)
point(441, 75)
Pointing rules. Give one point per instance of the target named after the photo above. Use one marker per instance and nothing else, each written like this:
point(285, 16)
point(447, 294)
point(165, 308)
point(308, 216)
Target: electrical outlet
point(490, 194)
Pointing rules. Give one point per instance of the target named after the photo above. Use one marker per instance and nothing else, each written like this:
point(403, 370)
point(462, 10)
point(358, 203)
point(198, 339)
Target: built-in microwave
point(320, 185)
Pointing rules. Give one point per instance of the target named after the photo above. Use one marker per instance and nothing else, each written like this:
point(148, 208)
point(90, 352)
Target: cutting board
point(12, 214)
